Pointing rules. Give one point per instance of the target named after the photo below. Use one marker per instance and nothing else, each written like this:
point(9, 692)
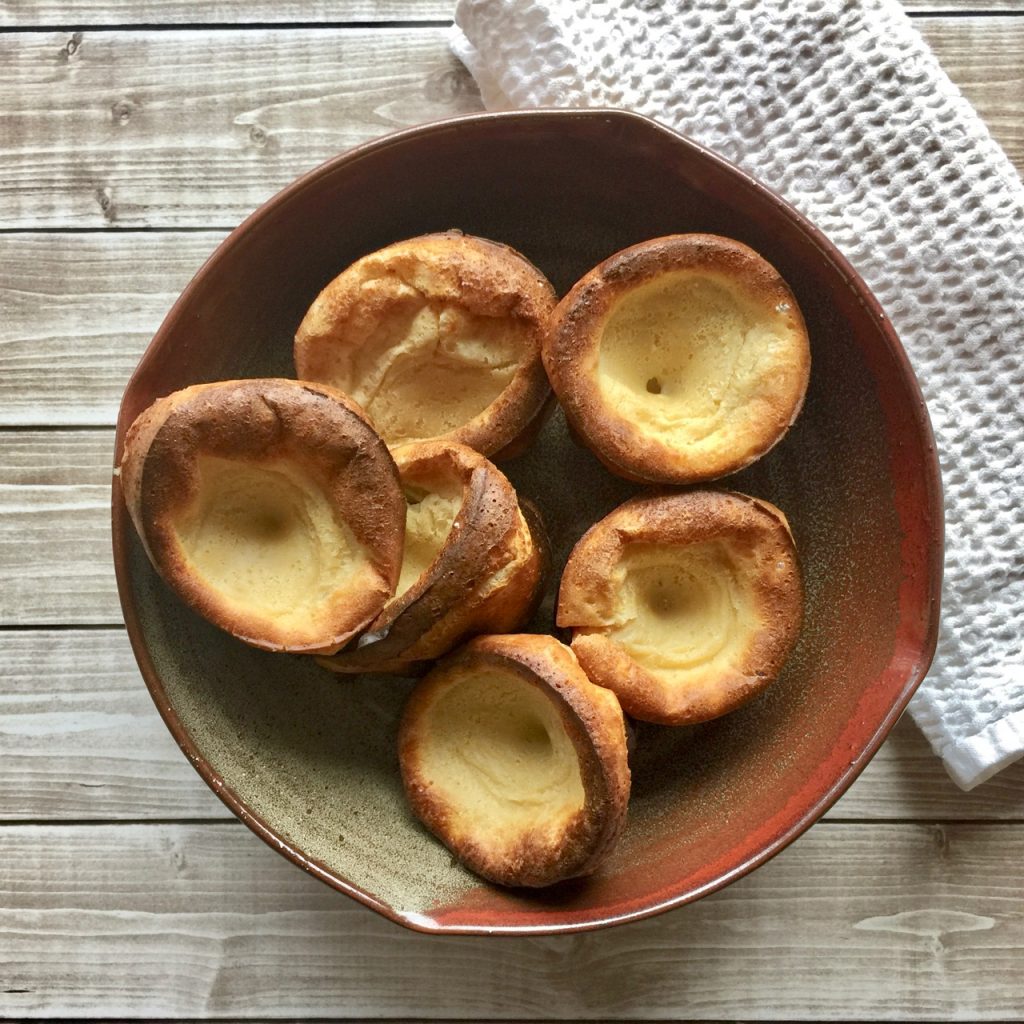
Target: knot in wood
point(445, 85)
point(121, 111)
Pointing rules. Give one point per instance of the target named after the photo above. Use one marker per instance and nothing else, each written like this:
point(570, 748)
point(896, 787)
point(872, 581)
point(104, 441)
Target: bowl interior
point(308, 759)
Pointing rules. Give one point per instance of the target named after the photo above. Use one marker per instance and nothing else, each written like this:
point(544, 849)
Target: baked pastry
point(270, 506)
point(472, 561)
point(516, 761)
point(437, 336)
point(679, 359)
point(686, 605)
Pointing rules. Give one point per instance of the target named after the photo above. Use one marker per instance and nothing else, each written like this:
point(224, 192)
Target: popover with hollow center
point(680, 359)
point(270, 506)
point(516, 761)
point(473, 561)
point(686, 605)
point(436, 336)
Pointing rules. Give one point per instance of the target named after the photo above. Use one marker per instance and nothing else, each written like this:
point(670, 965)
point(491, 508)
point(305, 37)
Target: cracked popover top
point(435, 337)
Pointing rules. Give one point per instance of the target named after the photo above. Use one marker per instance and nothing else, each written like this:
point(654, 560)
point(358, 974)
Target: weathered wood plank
point(26, 13)
point(985, 58)
point(196, 127)
point(55, 561)
point(915, 7)
point(82, 740)
point(121, 127)
point(78, 310)
point(919, 923)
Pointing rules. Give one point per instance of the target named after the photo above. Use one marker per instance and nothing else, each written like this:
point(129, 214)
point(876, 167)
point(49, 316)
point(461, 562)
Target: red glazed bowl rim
point(932, 488)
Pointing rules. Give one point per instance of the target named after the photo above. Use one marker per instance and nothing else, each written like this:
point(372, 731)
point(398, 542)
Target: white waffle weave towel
point(840, 106)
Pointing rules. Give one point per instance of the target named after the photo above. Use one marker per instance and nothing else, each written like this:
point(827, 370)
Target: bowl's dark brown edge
point(423, 922)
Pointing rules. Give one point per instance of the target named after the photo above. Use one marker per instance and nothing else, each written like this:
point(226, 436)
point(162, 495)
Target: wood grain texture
point(26, 13)
point(117, 128)
point(83, 740)
point(871, 922)
point(197, 127)
point(55, 560)
point(78, 311)
point(985, 58)
point(918, 7)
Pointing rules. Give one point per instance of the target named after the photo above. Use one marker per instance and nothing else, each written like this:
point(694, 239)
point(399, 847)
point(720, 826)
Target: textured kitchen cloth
point(841, 107)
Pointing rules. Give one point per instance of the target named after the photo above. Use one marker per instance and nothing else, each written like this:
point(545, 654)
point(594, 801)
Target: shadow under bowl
point(308, 760)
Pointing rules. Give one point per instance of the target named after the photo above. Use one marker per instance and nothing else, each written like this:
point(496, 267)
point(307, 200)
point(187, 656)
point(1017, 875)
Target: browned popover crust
point(484, 579)
point(573, 343)
point(591, 592)
point(455, 277)
point(261, 422)
point(592, 719)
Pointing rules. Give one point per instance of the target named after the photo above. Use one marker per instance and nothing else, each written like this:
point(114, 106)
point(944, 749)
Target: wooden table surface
point(133, 135)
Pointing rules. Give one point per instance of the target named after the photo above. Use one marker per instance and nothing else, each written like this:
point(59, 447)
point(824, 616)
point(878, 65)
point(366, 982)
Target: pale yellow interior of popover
point(425, 368)
point(429, 516)
point(690, 355)
point(496, 752)
point(682, 609)
point(265, 538)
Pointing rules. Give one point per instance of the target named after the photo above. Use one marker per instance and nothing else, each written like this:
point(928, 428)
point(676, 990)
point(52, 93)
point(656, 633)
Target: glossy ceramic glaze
point(308, 760)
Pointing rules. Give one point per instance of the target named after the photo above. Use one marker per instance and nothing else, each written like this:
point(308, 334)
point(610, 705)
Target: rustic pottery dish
point(309, 762)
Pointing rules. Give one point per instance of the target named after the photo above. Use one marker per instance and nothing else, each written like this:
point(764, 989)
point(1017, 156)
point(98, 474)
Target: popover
point(435, 337)
point(680, 359)
point(270, 506)
point(473, 562)
point(516, 761)
point(686, 605)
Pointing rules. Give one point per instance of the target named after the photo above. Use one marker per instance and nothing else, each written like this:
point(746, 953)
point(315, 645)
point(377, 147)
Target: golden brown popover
point(679, 359)
point(436, 336)
point(516, 761)
point(686, 605)
point(270, 506)
point(473, 562)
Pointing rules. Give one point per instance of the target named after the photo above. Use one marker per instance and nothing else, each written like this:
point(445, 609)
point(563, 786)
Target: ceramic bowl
point(308, 761)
